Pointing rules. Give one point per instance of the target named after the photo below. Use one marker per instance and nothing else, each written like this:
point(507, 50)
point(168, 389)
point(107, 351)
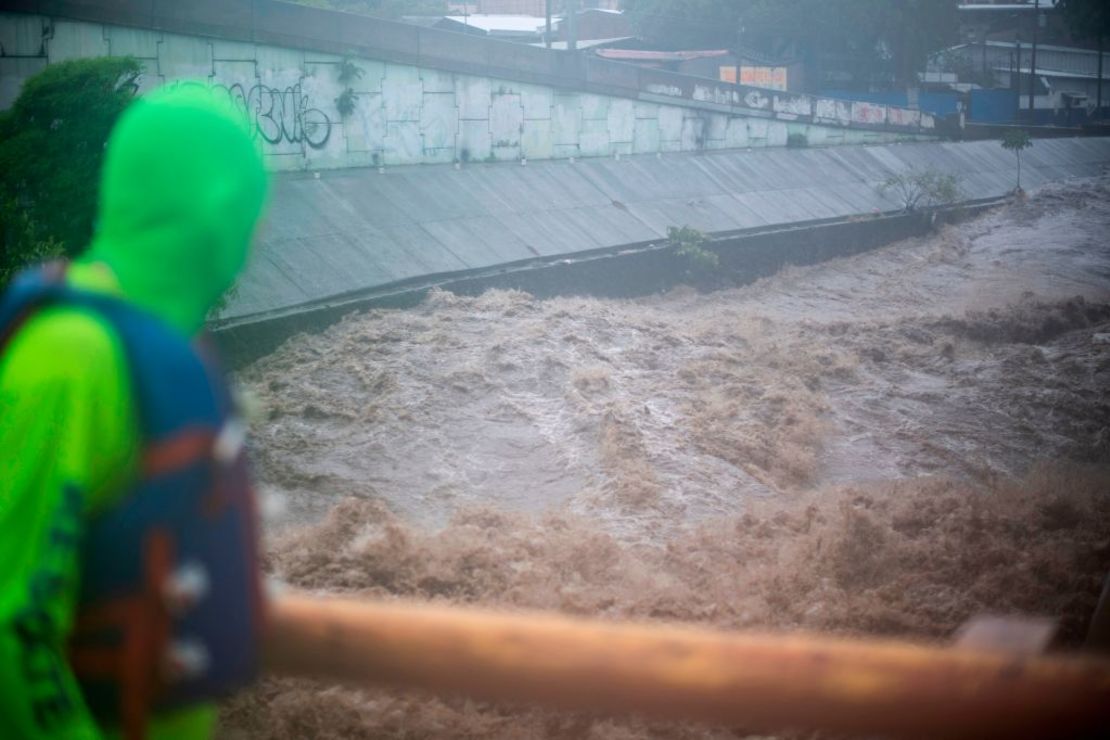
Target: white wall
point(403, 114)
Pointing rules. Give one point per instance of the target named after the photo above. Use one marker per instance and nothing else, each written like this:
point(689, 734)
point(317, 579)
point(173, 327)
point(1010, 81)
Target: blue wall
point(993, 106)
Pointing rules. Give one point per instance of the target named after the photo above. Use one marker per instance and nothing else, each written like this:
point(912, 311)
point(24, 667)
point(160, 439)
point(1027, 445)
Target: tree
point(686, 24)
point(915, 188)
point(51, 147)
point(1015, 140)
point(381, 8)
point(891, 37)
point(1089, 19)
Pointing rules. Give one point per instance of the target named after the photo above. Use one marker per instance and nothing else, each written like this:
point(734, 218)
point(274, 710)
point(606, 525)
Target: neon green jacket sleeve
point(68, 444)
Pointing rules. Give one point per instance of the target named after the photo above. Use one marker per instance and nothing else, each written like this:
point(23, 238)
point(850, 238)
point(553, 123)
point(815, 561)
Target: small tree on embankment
point(1016, 140)
point(51, 147)
point(921, 189)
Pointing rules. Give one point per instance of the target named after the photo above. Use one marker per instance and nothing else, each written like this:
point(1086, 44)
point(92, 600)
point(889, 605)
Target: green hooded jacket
point(181, 192)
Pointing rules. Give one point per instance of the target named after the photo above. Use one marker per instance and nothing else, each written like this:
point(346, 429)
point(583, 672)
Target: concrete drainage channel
point(626, 271)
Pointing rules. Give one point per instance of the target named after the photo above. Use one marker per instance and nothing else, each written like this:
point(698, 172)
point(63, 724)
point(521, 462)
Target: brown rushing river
point(882, 444)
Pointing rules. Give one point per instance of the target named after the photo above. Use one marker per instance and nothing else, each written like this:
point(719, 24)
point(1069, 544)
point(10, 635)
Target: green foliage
point(872, 38)
point(346, 102)
point(965, 68)
point(686, 23)
point(51, 148)
point(349, 72)
point(688, 246)
point(1088, 19)
point(1016, 140)
point(381, 8)
point(24, 242)
point(922, 188)
point(797, 140)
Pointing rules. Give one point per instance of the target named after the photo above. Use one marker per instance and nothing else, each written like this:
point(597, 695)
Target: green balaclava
point(182, 190)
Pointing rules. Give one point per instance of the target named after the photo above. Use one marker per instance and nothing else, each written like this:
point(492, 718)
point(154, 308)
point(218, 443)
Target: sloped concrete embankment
point(364, 239)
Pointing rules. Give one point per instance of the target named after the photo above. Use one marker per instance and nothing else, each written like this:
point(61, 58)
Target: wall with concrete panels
point(405, 114)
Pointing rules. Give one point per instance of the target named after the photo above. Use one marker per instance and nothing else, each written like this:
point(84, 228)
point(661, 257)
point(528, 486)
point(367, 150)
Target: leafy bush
point(797, 140)
point(922, 188)
point(688, 246)
point(51, 148)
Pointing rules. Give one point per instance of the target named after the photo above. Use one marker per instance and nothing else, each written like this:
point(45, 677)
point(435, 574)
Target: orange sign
point(773, 78)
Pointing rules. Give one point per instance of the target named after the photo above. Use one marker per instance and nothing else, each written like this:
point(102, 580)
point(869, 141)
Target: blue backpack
point(170, 605)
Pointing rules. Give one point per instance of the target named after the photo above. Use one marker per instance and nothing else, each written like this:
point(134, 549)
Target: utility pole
point(571, 7)
point(1098, 95)
point(1033, 58)
point(547, 34)
point(984, 52)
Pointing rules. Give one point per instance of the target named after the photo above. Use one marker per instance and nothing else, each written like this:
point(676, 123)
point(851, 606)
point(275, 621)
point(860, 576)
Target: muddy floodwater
point(886, 444)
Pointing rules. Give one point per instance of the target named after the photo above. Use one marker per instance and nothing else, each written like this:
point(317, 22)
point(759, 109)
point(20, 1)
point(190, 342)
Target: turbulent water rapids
point(882, 444)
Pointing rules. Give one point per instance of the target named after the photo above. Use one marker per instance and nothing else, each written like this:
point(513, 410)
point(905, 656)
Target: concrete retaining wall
point(425, 96)
point(637, 270)
point(349, 233)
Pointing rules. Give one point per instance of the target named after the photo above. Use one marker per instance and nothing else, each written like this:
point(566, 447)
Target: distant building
point(1007, 21)
point(700, 62)
point(1065, 77)
point(522, 28)
point(718, 64)
point(594, 23)
point(526, 7)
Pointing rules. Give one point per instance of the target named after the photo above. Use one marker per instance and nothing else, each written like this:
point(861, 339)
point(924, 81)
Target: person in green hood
point(182, 190)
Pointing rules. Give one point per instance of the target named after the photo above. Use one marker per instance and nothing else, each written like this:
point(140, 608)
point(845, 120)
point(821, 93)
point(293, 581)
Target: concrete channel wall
point(360, 237)
point(419, 95)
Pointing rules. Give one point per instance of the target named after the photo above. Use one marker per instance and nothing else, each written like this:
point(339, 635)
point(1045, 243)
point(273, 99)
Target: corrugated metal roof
point(352, 231)
point(502, 23)
point(646, 55)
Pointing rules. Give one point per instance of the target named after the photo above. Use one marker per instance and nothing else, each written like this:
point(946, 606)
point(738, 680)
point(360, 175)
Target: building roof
point(643, 55)
point(1041, 47)
point(1000, 7)
point(495, 23)
point(585, 43)
point(1041, 72)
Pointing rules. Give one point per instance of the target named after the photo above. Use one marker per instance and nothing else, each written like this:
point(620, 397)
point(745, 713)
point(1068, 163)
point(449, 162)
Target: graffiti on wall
point(868, 113)
point(834, 110)
point(279, 114)
point(757, 100)
point(793, 105)
point(706, 94)
point(903, 117)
